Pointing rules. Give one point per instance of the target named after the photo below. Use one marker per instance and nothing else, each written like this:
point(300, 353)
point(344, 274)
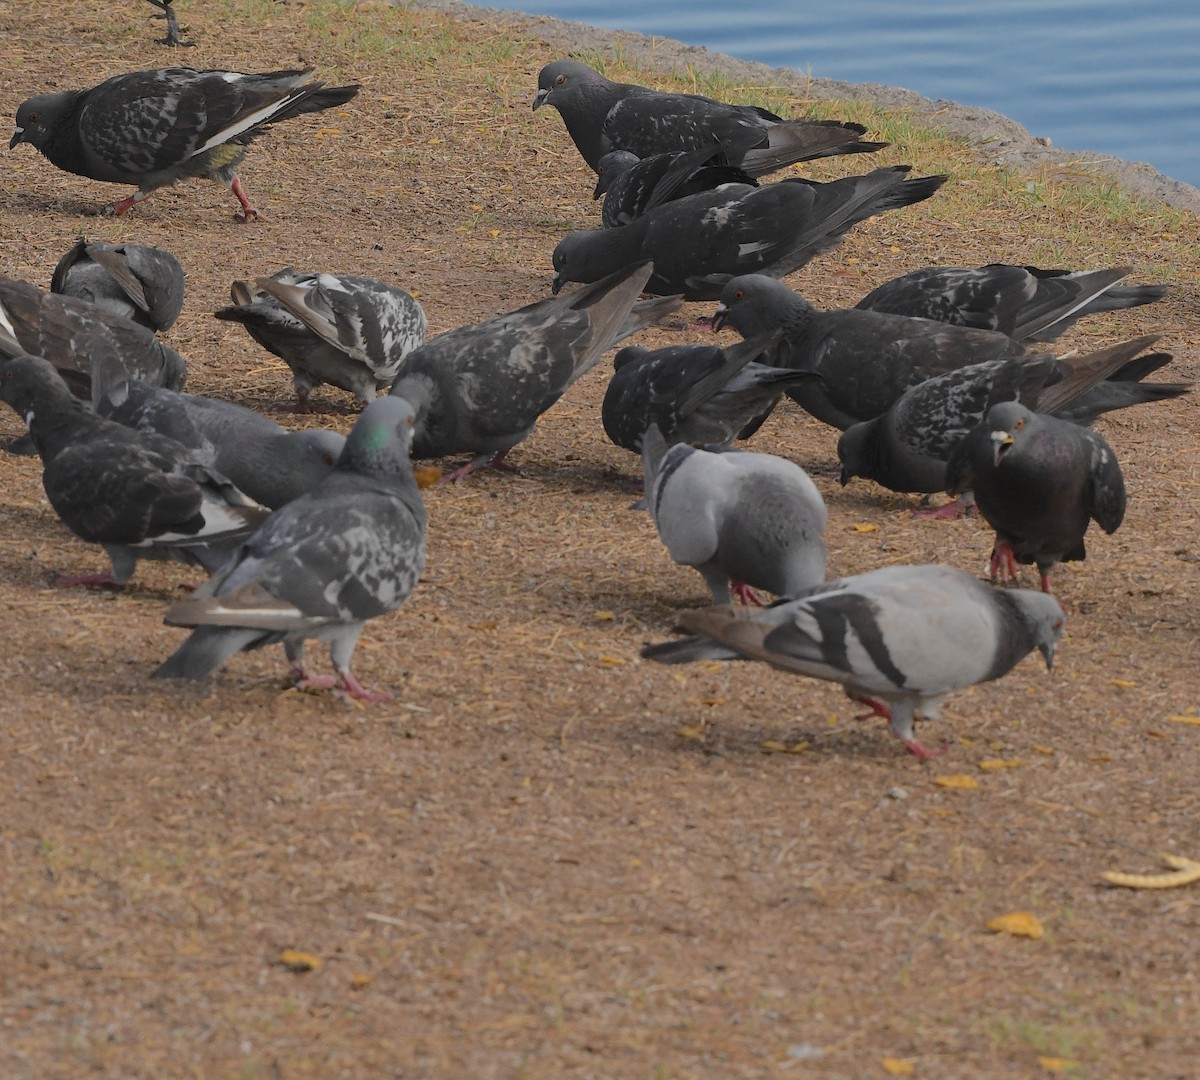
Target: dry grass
point(547, 858)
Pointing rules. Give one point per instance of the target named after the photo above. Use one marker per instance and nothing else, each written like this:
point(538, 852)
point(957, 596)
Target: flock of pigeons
point(935, 380)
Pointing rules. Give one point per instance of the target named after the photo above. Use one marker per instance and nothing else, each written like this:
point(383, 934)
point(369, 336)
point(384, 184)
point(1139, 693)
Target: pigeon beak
point(556, 283)
point(539, 99)
point(844, 478)
point(1003, 440)
point(601, 186)
point(18, 137)
point(1047, 650)
point(718, 317)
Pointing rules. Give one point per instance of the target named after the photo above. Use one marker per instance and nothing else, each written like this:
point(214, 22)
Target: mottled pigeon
point(633, 186)
point(351, 332)
point(697, 243)
point(141, 283)
point(138, 494)
point(745, 521)
point(151, 128)
point(480, 389)
point(1024, 302)
point(898, 639)
point(601, 116)
point(1038, 481)
point(269, 463)
point(320, 567)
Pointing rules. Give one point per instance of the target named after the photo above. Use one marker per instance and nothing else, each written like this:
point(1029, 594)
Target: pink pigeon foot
point(923, 753)
point(877, 707)
point(247, 212)
point(303, 679)
point(952, 511)
point(743, 592)
point(1004, 562)
point(349, 686)
point(91, 581)
point(475, 464)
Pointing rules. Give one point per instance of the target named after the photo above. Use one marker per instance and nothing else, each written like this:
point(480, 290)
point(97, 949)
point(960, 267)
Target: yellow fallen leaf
point(1019, 924)
point(993, 764)
point(897, 1066)
point(295, 960)
point(1185, 720)
point(773, 747)
point(613, 661)
point(603, 616)
point(691, 731)
point(359, 980)
point(957, 782)
point(1124, 684)
point(894, 250)
point(864, 527)
point(1043, 749)
point(493, 233)
point(426, 475)
point(1057, 1065)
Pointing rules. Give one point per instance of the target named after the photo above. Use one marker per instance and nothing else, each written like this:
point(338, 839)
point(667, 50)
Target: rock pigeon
point(320, 567)
point(601, 116)
point(745, 521)
point(269, 463)
point(141, 283)
point(698, 394)
point(152, 128)
point(480, 389)
point(92, 348)
point(140, 495)
point(351, 332)
point(1022, 301)
point(866, 359)
point(906, 449)
point(699, 242)
point(632, 186)
point(898, 639)
point(1038, 481)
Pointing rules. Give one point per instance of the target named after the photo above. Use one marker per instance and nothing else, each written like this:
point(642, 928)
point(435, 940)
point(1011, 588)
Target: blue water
point(1106, 76)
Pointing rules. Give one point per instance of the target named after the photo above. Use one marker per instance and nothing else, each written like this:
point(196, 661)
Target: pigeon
point(269, 463)
point(139, 495)
point(601, 116)
point(898, 639)
point(906, 449)
point(632, 186)
point(174, 39)
point(480, 389)
point(321, 566)
point(699, 242)
point(152, 128)
point(698, 394)
point(866, 359)
point(351, 332)
point(1024, 302)
point(745, 521)
point(141, 283)
point(92, 348)
point(1038, 481)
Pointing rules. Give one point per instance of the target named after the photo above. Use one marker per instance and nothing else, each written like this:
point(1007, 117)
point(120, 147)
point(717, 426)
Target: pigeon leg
point(960, 508)
point(480, 461)
point(247, 212)
point(1004, 562)
point(901, 725)
point(119, 208)
point(303, 679)
point(1045, 576)
point(173, 38)
point(349, 686)
point(877, 707)
point(91, 581)
point(745, 593)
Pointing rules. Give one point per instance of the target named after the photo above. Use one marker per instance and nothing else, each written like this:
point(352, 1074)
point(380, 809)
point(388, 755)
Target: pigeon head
point(589, 254)
point(1045, 619)
point(562, 80)
point(380, 439)
point(756, 304)
point(29, 382)
point(610, 167)
point(631, 354)
point(37, 117)
point(1008, 423)
point(858, 451)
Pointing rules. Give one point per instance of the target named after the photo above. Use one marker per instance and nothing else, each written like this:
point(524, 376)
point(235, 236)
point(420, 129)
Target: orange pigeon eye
point(560, 80)
point(737, 294)
point(1018, 425)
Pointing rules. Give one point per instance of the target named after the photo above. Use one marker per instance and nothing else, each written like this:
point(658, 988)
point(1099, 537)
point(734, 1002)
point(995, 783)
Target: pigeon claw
point(1003, 565)
point(247, 212)
point(90, 581)
point(349, 687)
point(924, 753)
point(743, 592)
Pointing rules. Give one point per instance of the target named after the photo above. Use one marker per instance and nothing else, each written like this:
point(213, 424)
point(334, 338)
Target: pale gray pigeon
point(481, 388)
point(699, 242)
point(1039, 482)
point(320, 567)
point(351, 332)
point(140, 495)
point(269, 463)
point(142, 283)
point(602, 115)
point(898, 639)
point(633, 186)
point(1024, 302)
point(152, 128)
point(745, 521)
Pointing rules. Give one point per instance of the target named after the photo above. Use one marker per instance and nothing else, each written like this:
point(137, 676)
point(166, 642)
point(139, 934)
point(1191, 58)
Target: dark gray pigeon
point(745, 521)
point(91, 348)
point(269, 463)
point(320, 567)
point(633, 186)
point(866, 359)
point(141, 283)
point(1024, 302)
point(898, 639)
point(1038, 481)
point(906, 449)
point(481, 388)
point(699, 242)
point(601, 116)
point(139, 495)
point(174, 38)
point(347, 331)
point(152, 128)
point(697, 394)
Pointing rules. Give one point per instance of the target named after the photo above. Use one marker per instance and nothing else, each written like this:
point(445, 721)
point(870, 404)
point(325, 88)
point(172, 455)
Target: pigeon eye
point(738, 294)
point(34, 117)
point(1018, 425)
point(560, 80)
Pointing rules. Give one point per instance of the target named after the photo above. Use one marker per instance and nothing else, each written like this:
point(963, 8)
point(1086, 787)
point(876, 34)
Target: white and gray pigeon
point(1024, 302)
point(602, 116)
point(699, 242)
point(269, 463)
point(348, 331)
point(138, 494)
point(480, 389)
point(141, 283)
point(698, 394)
point(152, 128)
point(1039, 482)
point(906, 449)
point(745, 521)
point(898, 639)
point(320, 567)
